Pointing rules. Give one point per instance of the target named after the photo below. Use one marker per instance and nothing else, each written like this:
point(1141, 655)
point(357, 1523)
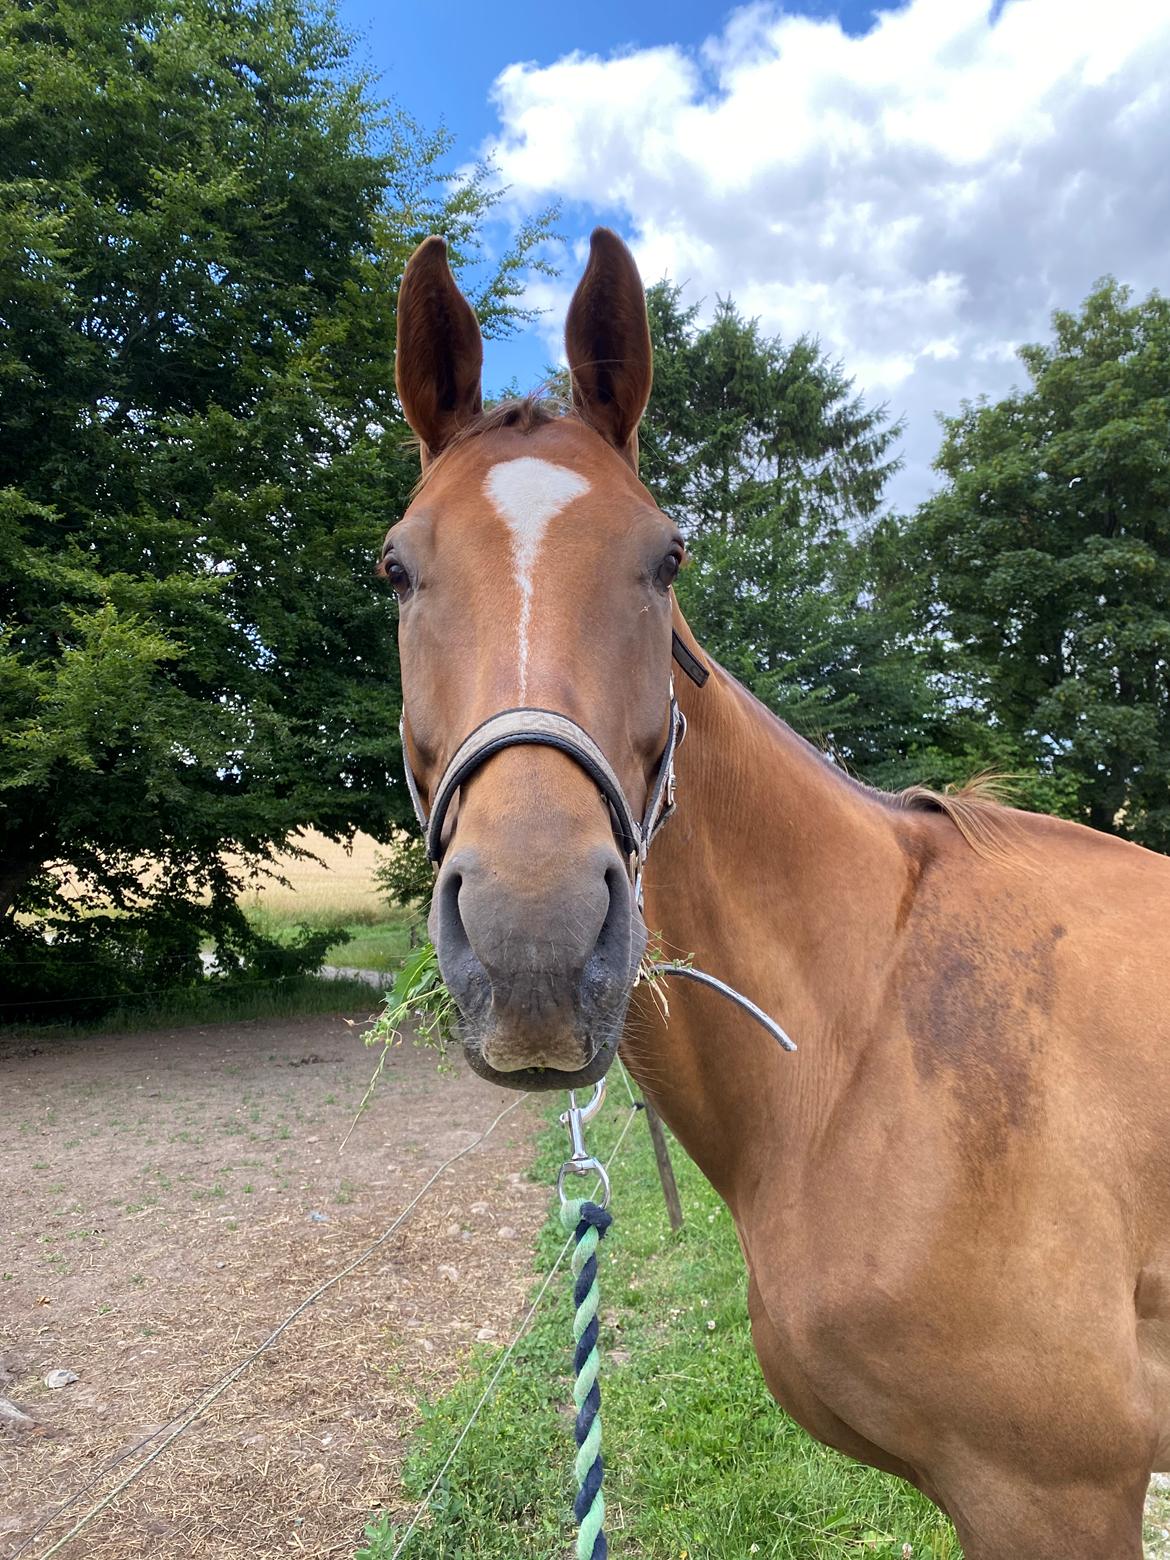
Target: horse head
point(534, 572)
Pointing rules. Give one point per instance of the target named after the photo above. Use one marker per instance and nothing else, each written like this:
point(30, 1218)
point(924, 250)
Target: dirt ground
point(167, 1198)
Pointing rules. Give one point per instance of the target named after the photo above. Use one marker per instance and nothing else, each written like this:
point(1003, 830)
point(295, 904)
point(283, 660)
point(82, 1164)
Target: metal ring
point(583, 1167)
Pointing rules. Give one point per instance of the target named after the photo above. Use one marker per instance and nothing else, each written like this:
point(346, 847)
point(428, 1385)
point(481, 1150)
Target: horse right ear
point(439, 359)
point(607, 343)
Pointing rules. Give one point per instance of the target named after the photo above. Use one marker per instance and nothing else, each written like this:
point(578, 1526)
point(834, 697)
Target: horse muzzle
point(541, 975)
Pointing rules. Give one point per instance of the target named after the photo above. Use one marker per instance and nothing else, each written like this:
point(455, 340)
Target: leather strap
point(689, 662)
point(542, 728)
point(547, 728)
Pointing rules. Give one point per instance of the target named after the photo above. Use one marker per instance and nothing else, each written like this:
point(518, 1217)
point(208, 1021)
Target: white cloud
point(919, 197)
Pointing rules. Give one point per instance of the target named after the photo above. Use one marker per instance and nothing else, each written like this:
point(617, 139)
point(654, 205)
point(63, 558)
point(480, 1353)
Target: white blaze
point(527, 494)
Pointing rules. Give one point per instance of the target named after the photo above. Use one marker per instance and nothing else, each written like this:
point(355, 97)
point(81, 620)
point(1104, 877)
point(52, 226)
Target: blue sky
point(439, 62)
point(917, 186)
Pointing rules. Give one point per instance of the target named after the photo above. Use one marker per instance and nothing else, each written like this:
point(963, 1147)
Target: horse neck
point(783, 877)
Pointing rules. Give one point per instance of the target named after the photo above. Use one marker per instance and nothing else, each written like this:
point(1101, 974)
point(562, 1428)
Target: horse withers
point(954, 1203)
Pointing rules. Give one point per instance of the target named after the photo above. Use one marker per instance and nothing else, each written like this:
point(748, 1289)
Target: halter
point(546, 728)
point(527, 726)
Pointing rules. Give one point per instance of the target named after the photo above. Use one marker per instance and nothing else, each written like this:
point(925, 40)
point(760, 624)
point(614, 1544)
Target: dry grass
point(338, 885)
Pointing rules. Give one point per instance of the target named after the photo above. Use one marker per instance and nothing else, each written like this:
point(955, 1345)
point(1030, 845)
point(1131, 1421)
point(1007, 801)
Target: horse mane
point(522, 414)
point(978, 809)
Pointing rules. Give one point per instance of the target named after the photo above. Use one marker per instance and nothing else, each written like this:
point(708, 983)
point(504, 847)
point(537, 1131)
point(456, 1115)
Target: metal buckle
point(581, 1162)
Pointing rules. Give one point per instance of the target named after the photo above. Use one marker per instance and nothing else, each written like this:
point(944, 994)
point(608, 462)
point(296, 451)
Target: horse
point(954, 1202)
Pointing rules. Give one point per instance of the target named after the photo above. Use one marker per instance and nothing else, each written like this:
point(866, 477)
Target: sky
point(916, 185)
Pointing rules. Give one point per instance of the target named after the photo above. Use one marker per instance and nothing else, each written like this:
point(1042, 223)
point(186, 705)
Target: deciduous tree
point(1044, 562)
point(775, 468)
point(204, 213)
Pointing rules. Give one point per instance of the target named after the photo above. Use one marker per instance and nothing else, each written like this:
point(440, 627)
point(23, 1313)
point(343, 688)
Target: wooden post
point(665, 1168)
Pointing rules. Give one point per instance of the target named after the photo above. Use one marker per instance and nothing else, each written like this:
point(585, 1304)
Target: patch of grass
point(216, 1003)
point(700, 1462)
point(372, 939)
point(382, 947)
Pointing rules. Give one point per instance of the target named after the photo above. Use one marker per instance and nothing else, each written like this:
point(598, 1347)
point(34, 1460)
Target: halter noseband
point(547, 728)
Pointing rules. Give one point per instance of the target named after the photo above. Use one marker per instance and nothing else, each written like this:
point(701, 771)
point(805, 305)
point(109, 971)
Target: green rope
point(588, 1223)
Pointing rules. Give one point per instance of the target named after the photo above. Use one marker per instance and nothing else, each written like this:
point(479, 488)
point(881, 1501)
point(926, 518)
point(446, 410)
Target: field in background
point(336, 891)
point(339, 887)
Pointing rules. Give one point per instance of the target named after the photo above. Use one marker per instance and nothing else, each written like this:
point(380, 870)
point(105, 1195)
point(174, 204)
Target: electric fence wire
point(198, 1406)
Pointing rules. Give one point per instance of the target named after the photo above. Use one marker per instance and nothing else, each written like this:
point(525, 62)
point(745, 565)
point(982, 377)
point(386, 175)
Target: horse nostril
point(546, 967)
point(459, 963)
point(607, 970)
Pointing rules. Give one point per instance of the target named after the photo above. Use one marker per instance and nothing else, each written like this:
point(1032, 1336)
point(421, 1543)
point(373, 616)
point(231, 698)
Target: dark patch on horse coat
point(976, 1004)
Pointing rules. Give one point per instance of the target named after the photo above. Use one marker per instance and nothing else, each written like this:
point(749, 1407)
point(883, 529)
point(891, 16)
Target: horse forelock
point(523, 414)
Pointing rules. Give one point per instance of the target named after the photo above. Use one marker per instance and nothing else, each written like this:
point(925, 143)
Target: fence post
point(665, 1168)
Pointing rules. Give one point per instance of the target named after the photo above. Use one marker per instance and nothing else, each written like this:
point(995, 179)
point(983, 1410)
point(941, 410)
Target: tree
point(1045, 562)
point(204, 215)
point(775, 470)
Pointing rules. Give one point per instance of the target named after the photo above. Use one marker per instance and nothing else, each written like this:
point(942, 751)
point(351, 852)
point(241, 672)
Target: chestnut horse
point(954, 1203)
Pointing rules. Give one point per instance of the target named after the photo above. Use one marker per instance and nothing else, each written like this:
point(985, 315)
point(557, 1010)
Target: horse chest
point(844, 1333)
point(811, 1369)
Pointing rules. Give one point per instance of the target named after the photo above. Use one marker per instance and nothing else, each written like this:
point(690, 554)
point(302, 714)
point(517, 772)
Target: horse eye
point(669, 567)
point(396, 574)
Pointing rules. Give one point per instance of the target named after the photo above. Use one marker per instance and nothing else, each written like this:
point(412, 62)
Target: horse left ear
point(607, 342)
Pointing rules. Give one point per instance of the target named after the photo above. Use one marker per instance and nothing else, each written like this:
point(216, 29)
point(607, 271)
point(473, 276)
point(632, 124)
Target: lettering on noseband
point(526, 494)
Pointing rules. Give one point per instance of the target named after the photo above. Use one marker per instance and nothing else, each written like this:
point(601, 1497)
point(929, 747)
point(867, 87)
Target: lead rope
point(588, 1222)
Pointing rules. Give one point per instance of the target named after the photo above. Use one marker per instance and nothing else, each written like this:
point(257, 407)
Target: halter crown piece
point(546, 728)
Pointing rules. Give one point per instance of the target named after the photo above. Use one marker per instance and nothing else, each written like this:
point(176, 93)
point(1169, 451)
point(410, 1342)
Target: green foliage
point(204, 214)
point(699, 1460)
point(775, 468)
point(404, 872)
point(418, 997)
point(741, 425)
point(1044, 564)
point(418, 1000)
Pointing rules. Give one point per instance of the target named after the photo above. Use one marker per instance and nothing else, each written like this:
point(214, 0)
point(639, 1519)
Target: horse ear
point(439, 360)
point(607, 342)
